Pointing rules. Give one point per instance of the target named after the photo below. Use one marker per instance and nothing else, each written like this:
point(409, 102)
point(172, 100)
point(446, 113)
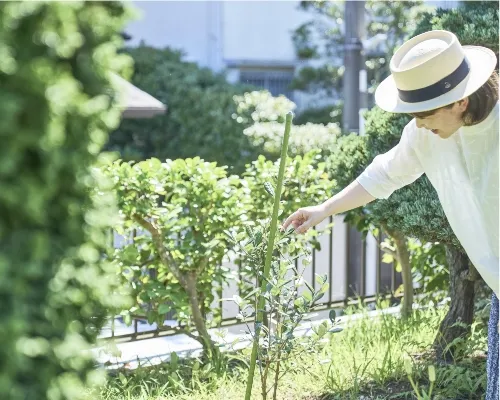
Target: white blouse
point(464, 171)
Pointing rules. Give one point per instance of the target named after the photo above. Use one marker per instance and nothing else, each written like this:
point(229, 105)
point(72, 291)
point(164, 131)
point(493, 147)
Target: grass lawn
point(364, 361)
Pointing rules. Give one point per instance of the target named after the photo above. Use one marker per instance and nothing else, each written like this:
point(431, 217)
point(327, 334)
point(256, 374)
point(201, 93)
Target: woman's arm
point(388, 172)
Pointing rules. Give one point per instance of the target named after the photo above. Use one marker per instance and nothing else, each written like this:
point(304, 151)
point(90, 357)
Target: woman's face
point(445, 121)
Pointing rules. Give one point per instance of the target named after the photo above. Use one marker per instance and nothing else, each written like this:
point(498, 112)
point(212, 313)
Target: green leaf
point(299, 302)
point(321, 279)
point(322, 329)
point(269, 188)
point(152, 316)
point(237, 299)
point(307, 296)
point(387, 258)
point(332, 315)
point(127, 319)
point(174, 360)
point(324, 288)
point(164, 308)
point(123, 379)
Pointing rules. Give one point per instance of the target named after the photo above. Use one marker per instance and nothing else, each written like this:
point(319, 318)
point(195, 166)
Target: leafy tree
point(322, 38)
point(57, 106)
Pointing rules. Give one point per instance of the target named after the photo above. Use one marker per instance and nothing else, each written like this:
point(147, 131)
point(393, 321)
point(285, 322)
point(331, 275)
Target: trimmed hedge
point(56, 109)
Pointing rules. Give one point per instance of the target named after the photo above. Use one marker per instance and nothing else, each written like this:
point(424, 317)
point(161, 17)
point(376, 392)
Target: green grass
point(364, 361)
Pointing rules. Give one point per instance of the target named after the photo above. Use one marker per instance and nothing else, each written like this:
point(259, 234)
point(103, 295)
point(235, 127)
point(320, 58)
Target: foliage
point(304, 138)
point(306, 182)
point(57, 106)
point(388, 24)
point(365, 359)
point(182, 209)
point(474, 24)
point(326, 78)
point(260, 107)
point(429, 266)
point(286, 309)
point(323, 115)
point(263, 115)
point(277, 297)
point(189, 203)
point(198, 121)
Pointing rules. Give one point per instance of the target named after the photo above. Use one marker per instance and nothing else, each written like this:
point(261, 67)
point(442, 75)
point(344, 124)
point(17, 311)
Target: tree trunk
point(403, 257)
point(209, 350)
point(462, 277)
point(404, 261)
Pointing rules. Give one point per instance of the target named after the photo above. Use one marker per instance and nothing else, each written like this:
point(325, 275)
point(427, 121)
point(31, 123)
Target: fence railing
point(354, 267)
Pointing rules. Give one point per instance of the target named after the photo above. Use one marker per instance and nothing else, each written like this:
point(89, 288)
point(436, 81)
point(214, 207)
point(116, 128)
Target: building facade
point(250, 40)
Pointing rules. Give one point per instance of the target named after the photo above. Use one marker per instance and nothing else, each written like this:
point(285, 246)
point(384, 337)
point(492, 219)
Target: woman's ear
point(462, 104)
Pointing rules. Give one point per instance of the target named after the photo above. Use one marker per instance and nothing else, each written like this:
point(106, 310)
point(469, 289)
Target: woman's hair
point(481, 102)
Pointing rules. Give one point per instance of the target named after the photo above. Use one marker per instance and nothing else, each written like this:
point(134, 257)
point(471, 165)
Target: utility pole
point(353, 63)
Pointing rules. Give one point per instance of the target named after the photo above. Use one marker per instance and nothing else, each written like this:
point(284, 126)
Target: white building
point(251, 40)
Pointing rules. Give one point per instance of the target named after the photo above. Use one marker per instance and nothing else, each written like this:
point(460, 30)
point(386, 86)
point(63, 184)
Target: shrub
point(303, 138)
point(306, 182)
point(200, 119)
point(323, 115)
point(180, 209)
point(56, 109)
point(261, 106)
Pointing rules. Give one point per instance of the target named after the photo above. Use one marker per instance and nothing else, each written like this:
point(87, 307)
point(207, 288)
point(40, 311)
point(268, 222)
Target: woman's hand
point(305, 218)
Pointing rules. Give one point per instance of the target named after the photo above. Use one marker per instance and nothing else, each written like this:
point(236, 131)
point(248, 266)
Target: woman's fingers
point(302, 228)
point(297, 219)
point(293, 217)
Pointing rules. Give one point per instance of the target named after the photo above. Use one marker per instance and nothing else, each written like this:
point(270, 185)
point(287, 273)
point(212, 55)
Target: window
point(276, 82)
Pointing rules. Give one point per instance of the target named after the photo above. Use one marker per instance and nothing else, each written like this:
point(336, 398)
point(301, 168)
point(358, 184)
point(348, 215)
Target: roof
point(135, 102)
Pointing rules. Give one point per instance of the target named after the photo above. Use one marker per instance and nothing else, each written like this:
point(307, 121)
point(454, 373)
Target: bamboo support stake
point(269, 254)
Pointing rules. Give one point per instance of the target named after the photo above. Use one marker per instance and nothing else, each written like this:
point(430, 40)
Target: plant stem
point(279, 335)
point(269, 253)
point(264, 381)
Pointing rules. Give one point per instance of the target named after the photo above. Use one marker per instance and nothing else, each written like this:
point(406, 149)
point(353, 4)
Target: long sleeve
point(394, 169)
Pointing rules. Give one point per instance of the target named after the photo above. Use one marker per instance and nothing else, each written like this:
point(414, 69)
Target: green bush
point(261, 106)
point(306, 182)
point(180, 210)
point(56, 109)
point(201, 113)
point(323, 115)
point(303, 138)
point(475, 23)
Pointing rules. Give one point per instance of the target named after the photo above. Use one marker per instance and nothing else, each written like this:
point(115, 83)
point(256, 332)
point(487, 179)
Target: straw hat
point(433, 70)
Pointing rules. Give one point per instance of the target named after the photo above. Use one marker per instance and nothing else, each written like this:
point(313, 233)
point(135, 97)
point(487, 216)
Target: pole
point(354, 30)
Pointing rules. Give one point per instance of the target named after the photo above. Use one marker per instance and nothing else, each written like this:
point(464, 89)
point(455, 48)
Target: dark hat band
point(436, 89)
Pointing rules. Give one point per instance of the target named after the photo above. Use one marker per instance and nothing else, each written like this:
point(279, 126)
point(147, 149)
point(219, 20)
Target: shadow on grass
point(464, 380)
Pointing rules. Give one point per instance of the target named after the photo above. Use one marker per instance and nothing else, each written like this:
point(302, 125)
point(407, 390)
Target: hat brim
point(482, 62)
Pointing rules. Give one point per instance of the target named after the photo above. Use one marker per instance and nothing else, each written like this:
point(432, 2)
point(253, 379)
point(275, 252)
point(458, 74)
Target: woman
point(452, 93)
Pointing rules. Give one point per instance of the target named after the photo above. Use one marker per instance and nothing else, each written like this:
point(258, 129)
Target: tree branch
point(165, 256)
